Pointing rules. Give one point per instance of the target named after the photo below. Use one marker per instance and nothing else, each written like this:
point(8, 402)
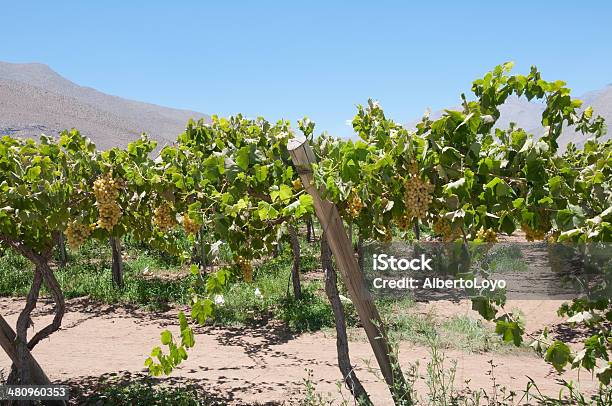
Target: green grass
point(457, 332)
point(507, 258)
point(88, 273)
point(272, 278)
point(146, 394)
point(15, 274)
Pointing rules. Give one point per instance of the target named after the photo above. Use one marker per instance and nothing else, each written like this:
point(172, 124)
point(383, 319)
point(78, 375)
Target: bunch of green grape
point(76, 234)
point(106, 191)
point(417, 196)
point(191, 226)
point(355, 205)
point(487, 235)
point(164, 217)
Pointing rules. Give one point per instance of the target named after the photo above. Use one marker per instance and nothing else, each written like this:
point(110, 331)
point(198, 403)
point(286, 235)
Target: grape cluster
point(388, 237)
point(77, 233)
point(164, 217)
point(297, 184)
point(354, 204)
point(487, 235)
point(246, 268)
point(443, 226)
point(403, 222)
point(544, 225)
point(413, 167)
point(190, 226)
point(106, 191)
point(417, 196)
point(532, 234)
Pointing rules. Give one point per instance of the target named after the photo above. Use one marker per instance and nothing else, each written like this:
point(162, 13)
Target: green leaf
point(510, 331)
point(580, 317)
point(183, 321)
point(166, 337)
point(455, 185)
point(306, 203)
point(499, 186)
point(604, 374)
point(484, 307)
point(558, 354)
point(285, 193)
point(263, 210)
point(261, 173)
point(507, 224)
point(242, 158)
point(187, 337)
point(33, 173)
point(194, 270)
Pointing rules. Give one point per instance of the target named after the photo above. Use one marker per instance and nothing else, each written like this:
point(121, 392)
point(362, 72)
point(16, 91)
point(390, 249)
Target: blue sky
point(290, 59)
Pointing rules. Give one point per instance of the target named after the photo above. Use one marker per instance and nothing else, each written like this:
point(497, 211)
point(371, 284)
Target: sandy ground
point(263, 364)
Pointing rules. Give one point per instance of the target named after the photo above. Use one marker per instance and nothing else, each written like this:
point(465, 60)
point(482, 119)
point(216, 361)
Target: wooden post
point(117, 266)
point(341, 246)
point(342, 348)
point(297, 257)
point(63, 253)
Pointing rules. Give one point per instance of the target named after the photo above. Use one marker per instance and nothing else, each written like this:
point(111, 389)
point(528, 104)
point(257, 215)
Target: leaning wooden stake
point(342, 248)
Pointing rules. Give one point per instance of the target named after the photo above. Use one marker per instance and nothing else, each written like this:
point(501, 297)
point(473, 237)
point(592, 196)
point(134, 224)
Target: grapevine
point(403, 222)
point(532, 234)
point(487, 181)
point(245, 267)
point(413, 167)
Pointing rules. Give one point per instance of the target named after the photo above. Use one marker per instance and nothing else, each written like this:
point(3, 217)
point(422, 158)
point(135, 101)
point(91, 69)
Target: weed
point(146, 394)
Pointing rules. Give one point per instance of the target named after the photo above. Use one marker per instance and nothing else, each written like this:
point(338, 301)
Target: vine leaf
point(559, 355)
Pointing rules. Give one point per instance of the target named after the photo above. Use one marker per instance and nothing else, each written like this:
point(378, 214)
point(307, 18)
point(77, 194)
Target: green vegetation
point(145, 393)
point(88, 273)
point(506, 258)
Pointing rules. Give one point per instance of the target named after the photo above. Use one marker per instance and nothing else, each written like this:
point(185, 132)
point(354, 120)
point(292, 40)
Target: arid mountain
point(34, 99)
point(601, 101)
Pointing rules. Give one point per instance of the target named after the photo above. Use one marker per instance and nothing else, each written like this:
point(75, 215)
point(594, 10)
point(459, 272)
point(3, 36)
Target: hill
point(35, 99)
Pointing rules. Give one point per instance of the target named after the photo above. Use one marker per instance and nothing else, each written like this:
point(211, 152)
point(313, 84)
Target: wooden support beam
point(341, 246)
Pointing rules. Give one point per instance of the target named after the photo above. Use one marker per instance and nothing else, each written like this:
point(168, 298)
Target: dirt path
point(261, 364)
